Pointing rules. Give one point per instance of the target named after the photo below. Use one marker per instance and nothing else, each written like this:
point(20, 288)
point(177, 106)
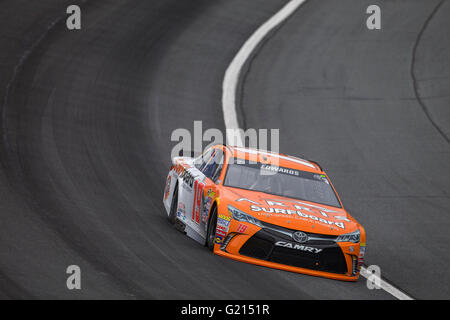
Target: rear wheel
point(174, 206)
point(211, 233)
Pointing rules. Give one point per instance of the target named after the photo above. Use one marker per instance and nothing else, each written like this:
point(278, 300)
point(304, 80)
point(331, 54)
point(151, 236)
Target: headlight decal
point(349, 237)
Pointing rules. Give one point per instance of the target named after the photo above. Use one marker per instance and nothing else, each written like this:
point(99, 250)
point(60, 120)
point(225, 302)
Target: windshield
point(284, 182)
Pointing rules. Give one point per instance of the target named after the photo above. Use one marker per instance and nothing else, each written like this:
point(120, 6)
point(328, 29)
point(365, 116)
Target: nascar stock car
point(265, 208)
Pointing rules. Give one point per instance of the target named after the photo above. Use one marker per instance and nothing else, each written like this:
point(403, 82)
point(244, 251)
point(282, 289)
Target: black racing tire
point(173, 207)
point(211, 232)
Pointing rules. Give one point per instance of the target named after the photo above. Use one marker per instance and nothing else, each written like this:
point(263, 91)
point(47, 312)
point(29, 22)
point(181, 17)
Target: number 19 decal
point(198, 192)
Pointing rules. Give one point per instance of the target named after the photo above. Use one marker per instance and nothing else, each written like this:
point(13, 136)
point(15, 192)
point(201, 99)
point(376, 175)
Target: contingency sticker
point(223, 225)
point(210, 195)
point(181, 212)
point(321, 177)
point(218, 240)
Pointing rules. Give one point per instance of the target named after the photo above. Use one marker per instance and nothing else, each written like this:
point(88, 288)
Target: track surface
point(87, 117)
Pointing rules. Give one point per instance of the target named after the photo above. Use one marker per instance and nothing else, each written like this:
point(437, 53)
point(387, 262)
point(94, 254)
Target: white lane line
point(233, 71)
point(385, 285)
point(230, 82)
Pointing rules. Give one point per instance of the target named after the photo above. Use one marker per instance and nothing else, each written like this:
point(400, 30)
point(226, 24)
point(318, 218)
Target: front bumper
point(271, 246)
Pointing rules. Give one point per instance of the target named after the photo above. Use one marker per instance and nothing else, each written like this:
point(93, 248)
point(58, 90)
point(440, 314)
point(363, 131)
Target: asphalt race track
point(87, 116)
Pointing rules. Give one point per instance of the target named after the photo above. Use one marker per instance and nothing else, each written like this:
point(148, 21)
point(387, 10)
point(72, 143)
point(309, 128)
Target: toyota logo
point(300, 236)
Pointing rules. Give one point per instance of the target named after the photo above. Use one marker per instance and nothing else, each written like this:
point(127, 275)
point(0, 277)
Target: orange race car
point(265, 208)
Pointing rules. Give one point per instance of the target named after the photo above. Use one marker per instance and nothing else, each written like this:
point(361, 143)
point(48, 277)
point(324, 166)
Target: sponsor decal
point(362, 251)
point(245, 199)
point(223, 224)
point(221, 233)
point(342, 218)
point(188, 178)
point(275, 203)
point(307, 205)
point(210, 193)
point(276, 169)
point(321, 177)
point(224, 217)
point(178, 169)
point(197, 207)
point(205, 212)
point(218, 240)
point(181, 216)
point(181, 212)
point(241, 228)
point(222, 229)
point(296, 213)
point(297, 246)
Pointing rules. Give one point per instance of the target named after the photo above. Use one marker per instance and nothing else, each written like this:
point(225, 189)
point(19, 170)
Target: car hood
point(291, 213)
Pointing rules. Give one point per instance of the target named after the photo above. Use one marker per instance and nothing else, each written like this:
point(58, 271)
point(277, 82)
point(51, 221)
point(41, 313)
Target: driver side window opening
point(203, 159)
point(213, 168)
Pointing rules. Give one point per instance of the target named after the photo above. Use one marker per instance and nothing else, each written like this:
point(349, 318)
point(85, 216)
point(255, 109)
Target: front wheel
point(211, 233)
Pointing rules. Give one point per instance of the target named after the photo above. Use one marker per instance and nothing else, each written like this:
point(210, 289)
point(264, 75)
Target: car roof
point(274, 158)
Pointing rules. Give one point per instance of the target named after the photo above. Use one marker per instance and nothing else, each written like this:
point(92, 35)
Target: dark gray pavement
point(87, 118)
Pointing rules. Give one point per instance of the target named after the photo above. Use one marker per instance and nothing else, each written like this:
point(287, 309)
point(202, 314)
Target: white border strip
point(229, 87)
point(385, 285)
point(231, 78)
